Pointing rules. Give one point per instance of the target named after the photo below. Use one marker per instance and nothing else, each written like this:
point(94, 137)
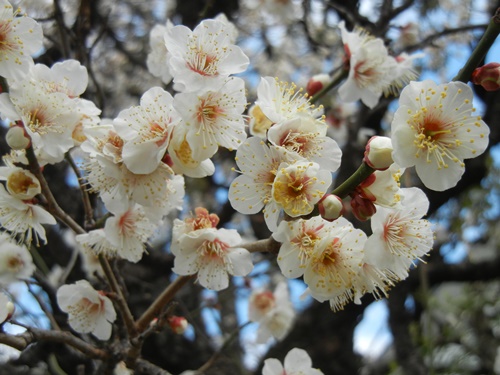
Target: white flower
point(252, 191)
point(400, 236)
point(297, 362)
point(89, 310)
point(212, 254)
point(383, 187)
point(306, 137)
point(15, 261)
point(370, 68)
point(435, 129)
point(334, 262)
point(259, 124)
point(298, 240)
point(23, 217)
point(273, 311)
point(281, 101)
point(181, 156)
point(95, 242)
point(157, 57)
point(127, 230)
point(205, 57)
point(146, 130)
point(21, 37)
point(299, 186)
point(21, 183)
point(213, 118)
point(48, 117)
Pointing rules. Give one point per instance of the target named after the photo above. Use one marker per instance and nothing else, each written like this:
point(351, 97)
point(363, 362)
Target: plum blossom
point(258, 124)
point(146, 130)
point(370, 67)
point(20, 183)
point(49, 118)
point(435, 129)
point(213, 118)
point(252, 190)
point(299, 186)
point(89, 310)
point(306, 137)
point(297, 362)
point(180, 156)
point(328, 254)
point(281, 101)
point(23, 217)
point(16, 262)
point(157, 57)
point(273, 311)
point(205, 57)
point(400, 236)
point(212, 254)
point(21, 37)
point(127, 230)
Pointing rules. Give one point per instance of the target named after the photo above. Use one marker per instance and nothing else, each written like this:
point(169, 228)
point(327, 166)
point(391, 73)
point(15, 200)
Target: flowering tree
point(155, 170)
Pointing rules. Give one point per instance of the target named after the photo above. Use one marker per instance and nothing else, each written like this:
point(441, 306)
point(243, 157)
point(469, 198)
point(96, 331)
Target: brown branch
point(128, 319)
point(32, 335)
point(161, 301)
point(52, 205)
point(87, 206)
point(431, 38)
point(261, 246)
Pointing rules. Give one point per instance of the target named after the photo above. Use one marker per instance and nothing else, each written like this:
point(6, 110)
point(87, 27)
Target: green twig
point(361, 174)
point(481, 49)
point(339, 77)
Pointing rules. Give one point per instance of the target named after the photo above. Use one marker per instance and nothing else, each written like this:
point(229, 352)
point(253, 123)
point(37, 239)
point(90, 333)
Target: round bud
point(17, 139)
point(378, 153)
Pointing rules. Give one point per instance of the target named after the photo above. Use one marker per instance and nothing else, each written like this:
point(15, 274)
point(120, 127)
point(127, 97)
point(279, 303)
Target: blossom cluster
point(138, 162)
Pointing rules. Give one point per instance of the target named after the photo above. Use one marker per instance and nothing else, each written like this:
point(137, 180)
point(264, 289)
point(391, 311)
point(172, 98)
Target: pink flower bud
point(17, 139)
point(378, 153)
point(317, 83)
point(178, 324)
point(330, 207)
point(362, 208)
point(487, 76)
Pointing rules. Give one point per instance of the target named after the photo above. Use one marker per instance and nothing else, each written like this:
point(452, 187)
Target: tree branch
point(32, 335)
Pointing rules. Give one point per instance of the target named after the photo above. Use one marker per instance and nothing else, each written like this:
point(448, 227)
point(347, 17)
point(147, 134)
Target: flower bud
point(362, 208)
point(178, 324)
point(330, 207)
point(487, 76)
point(317, 83)
point(6, 308)
point(378, 153)
point(17, 139)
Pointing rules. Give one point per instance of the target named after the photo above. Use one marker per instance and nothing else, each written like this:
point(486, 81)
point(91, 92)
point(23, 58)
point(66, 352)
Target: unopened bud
point(378, 153)
point(6, 308)
point(178, 324)
point(330, 207)
point(487, 76)
point(17, 139)
point(362, 208)
point(317, 83)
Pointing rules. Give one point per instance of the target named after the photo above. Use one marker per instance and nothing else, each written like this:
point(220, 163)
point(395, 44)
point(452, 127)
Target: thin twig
point(128, 319)
point(87, 206)
point(44, 308)
point(161, 301)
